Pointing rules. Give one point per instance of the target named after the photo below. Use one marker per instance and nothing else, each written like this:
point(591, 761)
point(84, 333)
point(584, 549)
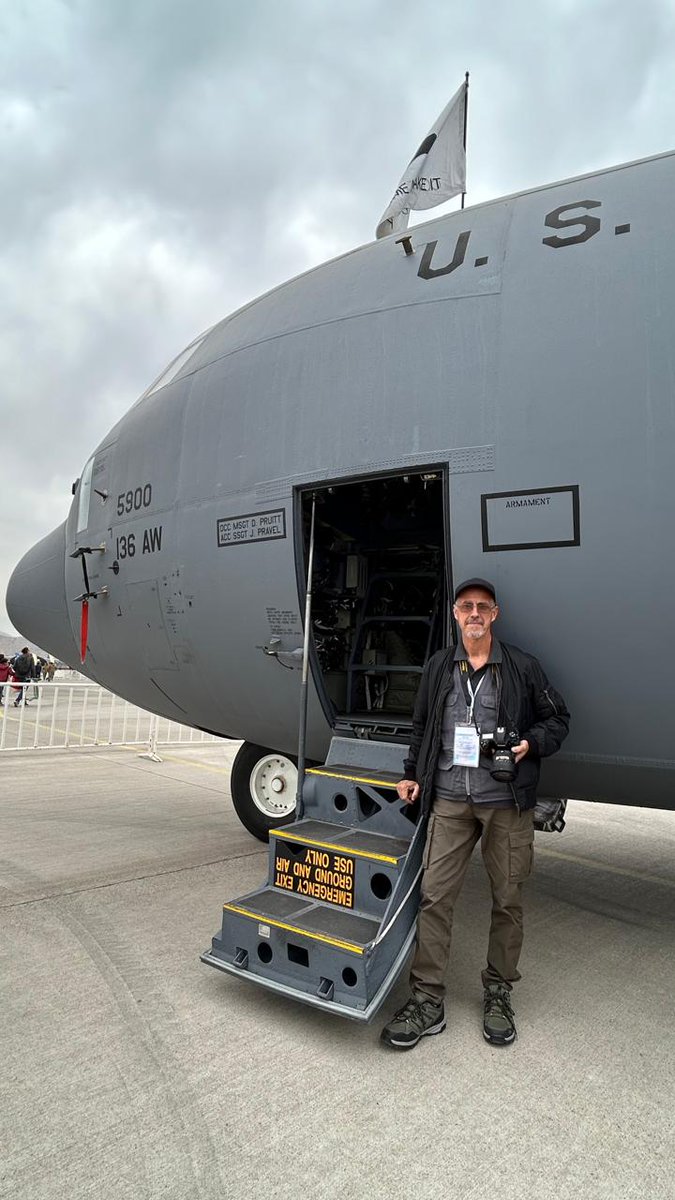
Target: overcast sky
point(165, 161)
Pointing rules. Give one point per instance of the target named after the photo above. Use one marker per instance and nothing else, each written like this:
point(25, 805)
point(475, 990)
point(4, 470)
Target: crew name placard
point(318, 875)
point(252, 527)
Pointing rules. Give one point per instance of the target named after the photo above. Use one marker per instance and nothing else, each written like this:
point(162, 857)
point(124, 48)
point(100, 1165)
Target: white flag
point(436, 173)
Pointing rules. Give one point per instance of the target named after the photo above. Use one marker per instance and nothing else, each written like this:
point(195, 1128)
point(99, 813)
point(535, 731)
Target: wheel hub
point(273, 784)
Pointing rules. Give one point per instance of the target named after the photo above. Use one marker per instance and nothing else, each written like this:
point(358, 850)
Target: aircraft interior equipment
point(379, 598)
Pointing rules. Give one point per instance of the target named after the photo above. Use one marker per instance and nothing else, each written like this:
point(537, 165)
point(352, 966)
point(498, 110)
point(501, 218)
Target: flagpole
point(466, 113)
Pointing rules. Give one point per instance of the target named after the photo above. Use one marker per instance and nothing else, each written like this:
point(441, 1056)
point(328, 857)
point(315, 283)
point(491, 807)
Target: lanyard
point(474, 694)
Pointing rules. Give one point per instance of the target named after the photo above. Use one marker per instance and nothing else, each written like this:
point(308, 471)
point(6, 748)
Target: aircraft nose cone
point(36, 598)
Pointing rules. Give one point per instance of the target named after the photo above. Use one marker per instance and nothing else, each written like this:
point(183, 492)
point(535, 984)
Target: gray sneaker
point(498, 1025)
point(417, 1019)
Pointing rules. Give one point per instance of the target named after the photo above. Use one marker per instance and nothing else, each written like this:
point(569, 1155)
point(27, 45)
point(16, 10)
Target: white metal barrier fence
point(69, 713)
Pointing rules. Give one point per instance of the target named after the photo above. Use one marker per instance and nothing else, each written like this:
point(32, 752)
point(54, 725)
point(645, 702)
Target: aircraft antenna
point(466, 115)
point(305, 667)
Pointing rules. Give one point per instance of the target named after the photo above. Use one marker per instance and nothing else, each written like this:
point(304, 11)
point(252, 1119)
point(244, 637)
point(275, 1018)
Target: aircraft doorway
point(379, 596)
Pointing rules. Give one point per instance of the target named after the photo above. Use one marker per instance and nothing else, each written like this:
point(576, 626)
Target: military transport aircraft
point(492, 394)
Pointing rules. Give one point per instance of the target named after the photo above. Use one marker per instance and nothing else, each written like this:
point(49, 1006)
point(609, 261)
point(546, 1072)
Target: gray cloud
point(164, 162)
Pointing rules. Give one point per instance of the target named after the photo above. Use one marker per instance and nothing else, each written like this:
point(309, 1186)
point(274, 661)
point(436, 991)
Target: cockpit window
point(84, 495)
point(176, 366)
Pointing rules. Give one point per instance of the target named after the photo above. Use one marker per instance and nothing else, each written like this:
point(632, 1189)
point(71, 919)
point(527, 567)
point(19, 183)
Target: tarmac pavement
point(129, 1069)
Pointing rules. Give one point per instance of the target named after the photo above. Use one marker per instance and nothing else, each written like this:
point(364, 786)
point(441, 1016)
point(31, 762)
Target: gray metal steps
point(335, 919)
point(360, 842)
point(309, 919)
point(385, 779)
point(343, 866)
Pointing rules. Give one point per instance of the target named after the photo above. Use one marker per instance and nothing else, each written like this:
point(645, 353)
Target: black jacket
point(23, 668)
point(527, 704)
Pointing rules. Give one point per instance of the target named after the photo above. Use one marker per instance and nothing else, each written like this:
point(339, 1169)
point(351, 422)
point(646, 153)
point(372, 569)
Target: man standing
point(23, 673)
point(484, 717)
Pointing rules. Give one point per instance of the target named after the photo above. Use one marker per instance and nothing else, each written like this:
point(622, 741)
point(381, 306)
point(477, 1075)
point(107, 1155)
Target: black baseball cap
point(476, 583)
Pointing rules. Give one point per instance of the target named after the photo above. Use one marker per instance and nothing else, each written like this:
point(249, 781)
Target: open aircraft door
point(380, 587)
point(334, 922)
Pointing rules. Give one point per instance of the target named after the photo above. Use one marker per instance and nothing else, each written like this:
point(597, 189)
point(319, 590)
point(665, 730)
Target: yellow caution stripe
point(337, 847)
point(351, 778)
point(316, 937)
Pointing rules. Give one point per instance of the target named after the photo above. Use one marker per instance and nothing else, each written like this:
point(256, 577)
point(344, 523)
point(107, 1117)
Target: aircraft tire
point(263, 785)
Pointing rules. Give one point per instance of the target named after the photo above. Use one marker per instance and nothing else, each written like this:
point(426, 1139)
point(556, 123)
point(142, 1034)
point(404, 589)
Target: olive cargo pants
point(507, 840)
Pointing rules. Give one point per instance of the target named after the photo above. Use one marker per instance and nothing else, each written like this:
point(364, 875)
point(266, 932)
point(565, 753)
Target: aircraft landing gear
point(263, 785)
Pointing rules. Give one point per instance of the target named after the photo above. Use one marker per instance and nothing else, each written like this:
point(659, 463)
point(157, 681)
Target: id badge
point(466, 748)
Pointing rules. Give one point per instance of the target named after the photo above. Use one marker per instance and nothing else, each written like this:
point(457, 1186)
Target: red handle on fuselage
point(84, 630)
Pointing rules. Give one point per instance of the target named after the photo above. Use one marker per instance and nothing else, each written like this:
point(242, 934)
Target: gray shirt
point(472, 784)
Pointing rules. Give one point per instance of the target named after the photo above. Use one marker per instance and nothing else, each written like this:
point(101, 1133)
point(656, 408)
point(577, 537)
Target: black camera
point(499, 745)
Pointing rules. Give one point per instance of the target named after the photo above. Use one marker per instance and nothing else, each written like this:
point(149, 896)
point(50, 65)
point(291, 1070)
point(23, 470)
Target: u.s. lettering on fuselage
point(586, 227)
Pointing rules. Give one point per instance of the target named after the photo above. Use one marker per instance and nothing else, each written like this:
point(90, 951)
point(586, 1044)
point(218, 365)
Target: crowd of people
point(19, 671)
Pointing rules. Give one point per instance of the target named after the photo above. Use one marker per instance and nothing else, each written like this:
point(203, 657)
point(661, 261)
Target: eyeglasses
point(481, 606)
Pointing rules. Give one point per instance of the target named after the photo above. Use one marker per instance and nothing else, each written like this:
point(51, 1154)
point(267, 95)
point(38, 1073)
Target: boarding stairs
point(334, 922)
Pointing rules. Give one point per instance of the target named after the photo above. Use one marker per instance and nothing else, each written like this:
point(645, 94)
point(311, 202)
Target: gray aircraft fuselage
point(524, 354)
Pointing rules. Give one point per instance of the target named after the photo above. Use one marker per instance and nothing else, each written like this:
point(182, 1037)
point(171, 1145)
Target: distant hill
point(11, 643)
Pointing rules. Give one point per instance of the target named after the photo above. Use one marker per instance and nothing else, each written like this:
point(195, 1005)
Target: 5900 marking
point(134, 500)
